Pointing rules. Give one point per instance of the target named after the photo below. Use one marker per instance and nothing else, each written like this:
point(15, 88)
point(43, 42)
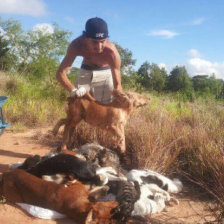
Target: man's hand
point(81, 91)
point(119, 88)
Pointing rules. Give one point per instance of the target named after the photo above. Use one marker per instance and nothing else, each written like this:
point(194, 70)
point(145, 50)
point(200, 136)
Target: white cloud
point(23, 7)
point(198, 66)
point(194, 53)
point(167, 34)
point(168, 68)
point(198, 21)
point(45, 28)
point(162, 65)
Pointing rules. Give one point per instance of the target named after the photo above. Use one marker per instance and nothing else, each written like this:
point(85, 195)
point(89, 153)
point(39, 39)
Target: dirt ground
point(15, 147)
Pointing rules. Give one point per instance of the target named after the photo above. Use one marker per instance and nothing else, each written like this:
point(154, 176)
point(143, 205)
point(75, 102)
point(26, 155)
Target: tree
point(151, 76)
point(221, 95)
point(179, 80)
point(126, 57)
point(13, 33)
point(35, 46)
point(157, 77)
point(200, 82)
point(203, 84)
point(143, 74)
point(215, 85)
point(4, 58)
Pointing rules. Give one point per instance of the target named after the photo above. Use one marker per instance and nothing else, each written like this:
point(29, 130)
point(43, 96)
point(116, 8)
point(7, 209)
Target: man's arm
point(64, 67)
point(115, 65)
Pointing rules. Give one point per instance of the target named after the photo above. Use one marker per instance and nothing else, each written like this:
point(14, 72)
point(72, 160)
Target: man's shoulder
point(112, 51)
point(110, 45)
point(77, 45)
point(111, 48)
point(77, 41)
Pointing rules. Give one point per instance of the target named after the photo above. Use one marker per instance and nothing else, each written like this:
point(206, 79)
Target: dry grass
point(168, 137)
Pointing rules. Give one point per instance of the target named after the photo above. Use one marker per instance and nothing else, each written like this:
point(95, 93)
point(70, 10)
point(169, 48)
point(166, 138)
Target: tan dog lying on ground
point(73, 200)
point(111, 117)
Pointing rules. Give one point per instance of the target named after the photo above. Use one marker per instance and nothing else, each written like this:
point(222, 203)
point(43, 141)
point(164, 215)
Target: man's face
point(96, 46)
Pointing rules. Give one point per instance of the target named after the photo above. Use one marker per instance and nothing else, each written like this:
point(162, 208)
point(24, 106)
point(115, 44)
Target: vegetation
point(180, 131)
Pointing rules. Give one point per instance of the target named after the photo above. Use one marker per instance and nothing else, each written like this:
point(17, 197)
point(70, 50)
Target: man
point(100, 69)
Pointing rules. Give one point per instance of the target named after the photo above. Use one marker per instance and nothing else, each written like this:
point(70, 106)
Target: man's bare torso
point(102, 59)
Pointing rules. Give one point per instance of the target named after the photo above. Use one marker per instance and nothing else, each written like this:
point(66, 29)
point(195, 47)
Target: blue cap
point(96, 28)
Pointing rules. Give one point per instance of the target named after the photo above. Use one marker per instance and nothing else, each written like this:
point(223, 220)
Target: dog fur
point(111, 117)
point(73, 201)
point(101, 156)
point(154, 178)
point(66, 164)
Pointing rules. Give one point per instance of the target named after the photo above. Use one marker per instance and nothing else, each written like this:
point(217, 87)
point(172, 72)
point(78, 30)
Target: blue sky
point(165, 32)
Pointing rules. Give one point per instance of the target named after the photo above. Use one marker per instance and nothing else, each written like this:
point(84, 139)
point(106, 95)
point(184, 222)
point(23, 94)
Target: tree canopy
point(37, 53)
point(179, 80)
point(33, 48)
point(151, 76)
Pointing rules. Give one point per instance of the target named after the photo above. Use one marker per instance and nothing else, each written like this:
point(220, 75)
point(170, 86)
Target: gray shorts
point(98, 83)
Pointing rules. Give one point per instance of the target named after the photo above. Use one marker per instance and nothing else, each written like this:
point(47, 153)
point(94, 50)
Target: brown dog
point(111, 117)
point(73, 200)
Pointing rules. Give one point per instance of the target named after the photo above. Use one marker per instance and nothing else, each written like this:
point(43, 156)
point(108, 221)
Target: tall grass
point(168, 135)
point(31, 103)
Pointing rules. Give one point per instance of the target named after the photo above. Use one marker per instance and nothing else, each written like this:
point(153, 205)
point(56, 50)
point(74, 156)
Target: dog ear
point(122, 99)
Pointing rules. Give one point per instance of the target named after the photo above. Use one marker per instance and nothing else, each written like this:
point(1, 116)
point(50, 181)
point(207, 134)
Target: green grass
point(31, 103)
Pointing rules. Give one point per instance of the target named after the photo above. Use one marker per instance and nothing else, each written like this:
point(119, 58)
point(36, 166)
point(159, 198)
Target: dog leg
point(58, 125)
point(118, 132)
point(124, 158)
point(65, 140)
point(71, 138)
point(70, 124)
point(122, 144)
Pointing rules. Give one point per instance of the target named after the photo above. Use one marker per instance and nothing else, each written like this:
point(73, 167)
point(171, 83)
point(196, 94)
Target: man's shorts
point(98, 82)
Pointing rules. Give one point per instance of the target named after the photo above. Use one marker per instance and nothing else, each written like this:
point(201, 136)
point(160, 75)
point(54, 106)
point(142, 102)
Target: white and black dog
point(155, 191)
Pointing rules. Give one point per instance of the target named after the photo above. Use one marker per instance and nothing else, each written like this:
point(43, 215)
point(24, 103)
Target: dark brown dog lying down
point(111, 117)
point(73, 200)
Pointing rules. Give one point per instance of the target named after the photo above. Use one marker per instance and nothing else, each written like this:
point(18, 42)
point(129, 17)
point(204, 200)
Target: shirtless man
point(100, 69)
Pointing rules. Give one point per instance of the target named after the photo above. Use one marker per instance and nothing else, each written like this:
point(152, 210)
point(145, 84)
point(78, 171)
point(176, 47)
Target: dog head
point(101, 213)
point(130, 99)
point(121, 99)
point(30, 162)
point(108, 157)
point(138, 100)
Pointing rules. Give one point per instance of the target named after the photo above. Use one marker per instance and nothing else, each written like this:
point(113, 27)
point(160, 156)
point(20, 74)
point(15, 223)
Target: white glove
point(73, 92)
point(81, 91)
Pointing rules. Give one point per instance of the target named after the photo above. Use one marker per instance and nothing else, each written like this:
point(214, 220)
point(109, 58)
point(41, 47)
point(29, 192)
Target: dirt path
point(15, 147)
